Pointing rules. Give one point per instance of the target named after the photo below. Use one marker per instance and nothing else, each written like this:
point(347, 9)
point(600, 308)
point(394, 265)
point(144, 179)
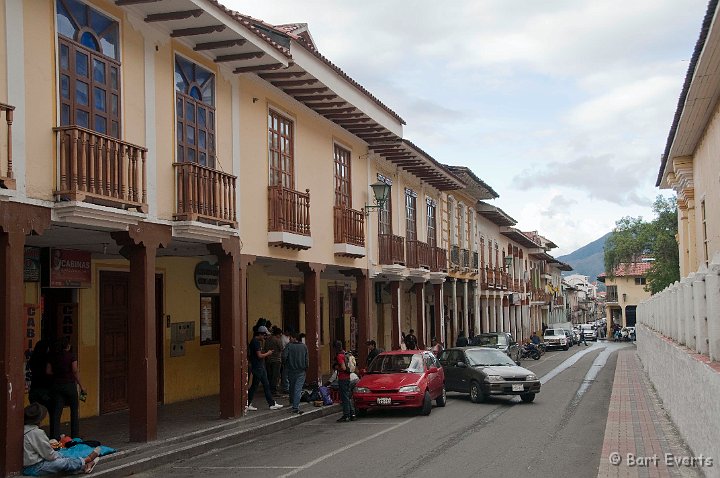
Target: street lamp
point(381, 191)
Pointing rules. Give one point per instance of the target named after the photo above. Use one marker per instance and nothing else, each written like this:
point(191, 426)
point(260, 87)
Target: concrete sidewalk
point(639, 433)
point(187, 428)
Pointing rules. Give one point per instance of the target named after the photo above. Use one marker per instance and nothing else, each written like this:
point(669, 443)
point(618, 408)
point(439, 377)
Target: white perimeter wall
point(689, 389)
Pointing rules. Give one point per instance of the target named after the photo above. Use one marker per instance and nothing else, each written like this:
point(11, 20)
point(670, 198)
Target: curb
point(158, 453)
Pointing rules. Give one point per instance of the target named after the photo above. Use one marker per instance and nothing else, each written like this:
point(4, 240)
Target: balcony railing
point(349, 226)
point(612, 294)
point(392, 249)
point(288, 210)
point(455, 256)
point(6, 165)
point(439, 260)
point(419, 255)
point(97, 168)
point(465, 258)
point(204, 194)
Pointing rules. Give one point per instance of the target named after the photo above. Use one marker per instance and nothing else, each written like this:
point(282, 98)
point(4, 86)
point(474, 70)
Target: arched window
point(195, 111)
point(89, 70)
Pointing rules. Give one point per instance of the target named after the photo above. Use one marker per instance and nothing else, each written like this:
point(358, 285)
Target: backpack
point(349, 362)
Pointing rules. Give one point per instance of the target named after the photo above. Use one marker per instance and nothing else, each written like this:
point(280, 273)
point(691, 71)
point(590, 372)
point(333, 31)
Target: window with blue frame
point(195, 113)
point(89, 68)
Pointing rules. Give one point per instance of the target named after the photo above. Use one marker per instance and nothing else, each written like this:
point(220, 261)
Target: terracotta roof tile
point(630, 269)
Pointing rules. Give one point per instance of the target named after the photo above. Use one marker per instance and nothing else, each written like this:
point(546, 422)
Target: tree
point(634, 238)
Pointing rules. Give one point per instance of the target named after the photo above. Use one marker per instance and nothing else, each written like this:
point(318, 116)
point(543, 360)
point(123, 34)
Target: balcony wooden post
point(420, 311)
point(143, 241)
point(17, 221)
point(232, 345)
point(311, 272)
point(9, 121)
point(395, 315)
point(439, 312)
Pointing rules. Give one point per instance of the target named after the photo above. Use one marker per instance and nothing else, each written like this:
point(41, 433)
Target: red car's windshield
point(397, 363)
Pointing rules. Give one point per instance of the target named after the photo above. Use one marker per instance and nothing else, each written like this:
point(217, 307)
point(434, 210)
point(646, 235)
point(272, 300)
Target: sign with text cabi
point(69, 268)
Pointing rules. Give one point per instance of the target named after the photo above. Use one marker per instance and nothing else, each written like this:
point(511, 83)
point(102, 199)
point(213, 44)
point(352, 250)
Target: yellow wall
point(314, 169)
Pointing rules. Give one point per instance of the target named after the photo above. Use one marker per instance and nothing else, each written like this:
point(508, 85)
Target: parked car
point(555, 338)
point(482, 372)
point(501, 341)
point(401, 379)
point(589, 331)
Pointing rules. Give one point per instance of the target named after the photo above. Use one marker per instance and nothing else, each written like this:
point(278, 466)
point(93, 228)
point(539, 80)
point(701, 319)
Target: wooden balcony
point(7, 180)
point(392, 249)
point(349, 229)
point(455, 256)
point(465, 258)
point(289, 218)
point(419, 255)
point(204, 195)
point(97, 168)
point(439, 260)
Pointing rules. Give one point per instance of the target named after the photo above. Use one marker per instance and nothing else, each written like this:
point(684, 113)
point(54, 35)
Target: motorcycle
point(530, 351)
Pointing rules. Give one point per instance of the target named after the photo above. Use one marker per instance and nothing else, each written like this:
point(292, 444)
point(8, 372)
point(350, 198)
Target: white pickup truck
point(589, 331)
point(555, 338)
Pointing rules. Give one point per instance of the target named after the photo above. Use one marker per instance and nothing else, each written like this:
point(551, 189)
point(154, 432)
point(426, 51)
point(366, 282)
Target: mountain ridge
point(588, 260)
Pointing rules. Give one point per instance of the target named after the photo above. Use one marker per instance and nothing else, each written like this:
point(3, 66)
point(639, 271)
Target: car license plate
point(384, 401)
point(517, 387)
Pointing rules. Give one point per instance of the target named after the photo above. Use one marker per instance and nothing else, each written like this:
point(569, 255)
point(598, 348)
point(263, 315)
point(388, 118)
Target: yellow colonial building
point(172, 171)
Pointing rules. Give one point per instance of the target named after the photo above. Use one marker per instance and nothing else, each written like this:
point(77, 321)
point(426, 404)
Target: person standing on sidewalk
point(257, 364)
point(274, 361)
point(295, 357)
point(63, 368)
point(411, 341)
point(343, 374)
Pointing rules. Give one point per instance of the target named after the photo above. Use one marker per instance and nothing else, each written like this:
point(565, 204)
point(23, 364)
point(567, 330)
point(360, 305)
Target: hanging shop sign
point(69, 268)
point(31, 265)
point(206, 276)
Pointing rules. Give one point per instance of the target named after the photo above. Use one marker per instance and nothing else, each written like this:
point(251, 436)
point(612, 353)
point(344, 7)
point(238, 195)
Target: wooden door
point(113, 341)
point(336, 307)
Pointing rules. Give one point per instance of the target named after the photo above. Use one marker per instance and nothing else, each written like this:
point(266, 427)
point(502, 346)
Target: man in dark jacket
point(411, 341)
point(461, 341)
point(373, 351)
point(295, 357)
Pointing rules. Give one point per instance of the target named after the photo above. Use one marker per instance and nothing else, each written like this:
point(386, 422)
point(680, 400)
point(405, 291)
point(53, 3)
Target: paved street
point(560, 433)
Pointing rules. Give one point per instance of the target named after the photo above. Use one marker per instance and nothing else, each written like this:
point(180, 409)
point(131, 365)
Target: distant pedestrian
point(437, 347)
point(411, 341)
point(257, 365)
point(63, 367)
point(461, 340)
point(343, 383)
point(373, 351)
point(534, 338)
point(582, 337)
point(295, 357)
point(40, 381)
point(274, 362)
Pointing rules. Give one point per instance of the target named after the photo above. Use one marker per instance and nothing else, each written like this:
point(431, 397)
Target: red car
point(401, 379)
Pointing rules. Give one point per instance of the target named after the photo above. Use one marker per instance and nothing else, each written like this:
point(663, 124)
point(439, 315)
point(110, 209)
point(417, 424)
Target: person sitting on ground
point(39, 457)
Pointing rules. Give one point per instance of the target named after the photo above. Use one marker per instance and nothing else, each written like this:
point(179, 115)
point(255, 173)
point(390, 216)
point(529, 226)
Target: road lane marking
point(570, 361)
point(345, 448)
point(234, 467)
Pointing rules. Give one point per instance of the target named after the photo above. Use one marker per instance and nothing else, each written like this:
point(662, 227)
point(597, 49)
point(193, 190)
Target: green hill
point(588, 260)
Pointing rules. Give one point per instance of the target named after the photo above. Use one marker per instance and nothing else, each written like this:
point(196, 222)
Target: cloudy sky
point(562, 106)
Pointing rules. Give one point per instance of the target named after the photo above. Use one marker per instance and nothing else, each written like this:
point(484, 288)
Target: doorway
point(290, 297)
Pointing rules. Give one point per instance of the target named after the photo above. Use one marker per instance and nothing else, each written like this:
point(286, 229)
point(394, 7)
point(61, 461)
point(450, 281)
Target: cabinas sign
point(70, 268)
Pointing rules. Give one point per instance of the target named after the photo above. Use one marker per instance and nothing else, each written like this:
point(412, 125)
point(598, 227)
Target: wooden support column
point(245, 262)
point(363, 320)
point(420, 317)
point(311, 272)
point(231, 324)
point(395, 315)
point(142, 242)
point(16, 222)
point(437, 301)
